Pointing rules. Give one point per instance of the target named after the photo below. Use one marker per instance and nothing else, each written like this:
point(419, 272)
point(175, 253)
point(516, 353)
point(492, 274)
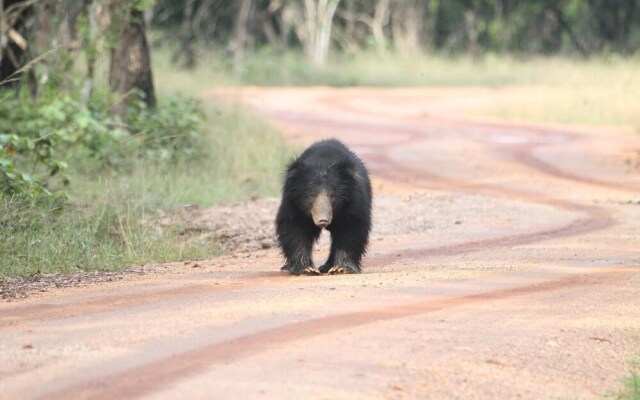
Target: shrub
point(38, 140)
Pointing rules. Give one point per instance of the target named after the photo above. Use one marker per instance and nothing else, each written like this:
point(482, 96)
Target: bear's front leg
point(348, 245)
point(344, 264)
point(297, 243)
point(299, 258)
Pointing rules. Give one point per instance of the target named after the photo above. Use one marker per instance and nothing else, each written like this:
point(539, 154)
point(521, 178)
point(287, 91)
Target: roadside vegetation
point(80, 189)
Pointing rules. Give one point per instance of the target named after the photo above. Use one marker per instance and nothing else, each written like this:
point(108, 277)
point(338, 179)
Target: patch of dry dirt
point(19, 288)
point(249, 226)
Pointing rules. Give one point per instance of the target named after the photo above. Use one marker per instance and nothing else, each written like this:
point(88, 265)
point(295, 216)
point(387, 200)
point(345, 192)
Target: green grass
point(631, 383)
point(104, 235)
point(111, 221)
point(631, 389)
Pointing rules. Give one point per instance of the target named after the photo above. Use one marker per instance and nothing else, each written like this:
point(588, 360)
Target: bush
point(170, 133)
point(45, 143)
point(38, 140)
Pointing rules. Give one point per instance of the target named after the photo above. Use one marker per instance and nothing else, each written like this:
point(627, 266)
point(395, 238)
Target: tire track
point(521, 153)
point(150, 377)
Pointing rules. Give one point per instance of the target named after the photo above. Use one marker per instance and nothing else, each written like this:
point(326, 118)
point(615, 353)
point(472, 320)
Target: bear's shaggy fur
point(326, 187)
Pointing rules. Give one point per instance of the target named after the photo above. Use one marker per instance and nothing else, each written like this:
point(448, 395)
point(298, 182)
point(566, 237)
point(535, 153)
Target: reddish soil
point(504, 264)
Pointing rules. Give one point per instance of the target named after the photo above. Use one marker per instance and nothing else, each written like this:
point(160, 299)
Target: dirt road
point(505, 263)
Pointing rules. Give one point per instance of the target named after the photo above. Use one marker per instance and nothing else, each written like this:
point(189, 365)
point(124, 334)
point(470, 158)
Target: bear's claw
point(343, 269)
point(311, 271)
point(339, 269)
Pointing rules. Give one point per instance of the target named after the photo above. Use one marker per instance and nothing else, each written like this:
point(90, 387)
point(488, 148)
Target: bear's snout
point(321, 211)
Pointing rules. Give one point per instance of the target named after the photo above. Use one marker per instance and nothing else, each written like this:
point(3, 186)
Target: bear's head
point(320, 190)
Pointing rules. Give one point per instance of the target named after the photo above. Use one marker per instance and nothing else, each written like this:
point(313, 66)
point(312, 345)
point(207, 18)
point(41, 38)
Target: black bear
point(327, 186)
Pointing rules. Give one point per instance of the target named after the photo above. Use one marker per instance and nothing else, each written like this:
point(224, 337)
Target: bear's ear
point(293, 168)
point(355, 174)
point(348, 168)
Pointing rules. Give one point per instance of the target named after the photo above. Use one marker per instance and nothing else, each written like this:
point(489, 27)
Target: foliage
point(241, 158)
point(573, 27)
point(38, 140)
point(169, 133)
point(14, 181)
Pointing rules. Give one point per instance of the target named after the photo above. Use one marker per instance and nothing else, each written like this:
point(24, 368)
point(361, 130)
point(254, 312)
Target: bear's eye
point(331, 197)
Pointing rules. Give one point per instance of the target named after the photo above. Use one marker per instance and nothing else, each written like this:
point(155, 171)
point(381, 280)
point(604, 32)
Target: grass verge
point(111, 221)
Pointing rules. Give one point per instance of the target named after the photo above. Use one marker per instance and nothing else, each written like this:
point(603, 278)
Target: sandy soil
point(504, 264)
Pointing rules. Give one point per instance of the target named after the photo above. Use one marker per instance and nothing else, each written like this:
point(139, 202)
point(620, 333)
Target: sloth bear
point(326, 187)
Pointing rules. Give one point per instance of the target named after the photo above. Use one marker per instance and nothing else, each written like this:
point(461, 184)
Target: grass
point(391, 70)
point(111, 220)
point(106, 235)
point(601, 102)
point(631, 383)
point(599, 91)
point(244, 159)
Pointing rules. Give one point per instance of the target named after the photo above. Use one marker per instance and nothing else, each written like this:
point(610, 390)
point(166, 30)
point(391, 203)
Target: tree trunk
point(380, 19)
point(13, 40)
point(630, 16)
point(186, 52)
point(319, 21)
point(242, 27)
point(130, 68)
point(551, 34)
point(471, 28)
point(505, 7)
point(312, 22)
point(91, 51)
point(408, 25)
point(440, 31)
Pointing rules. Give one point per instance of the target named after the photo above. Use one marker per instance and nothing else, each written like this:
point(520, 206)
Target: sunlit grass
point(614, 104)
